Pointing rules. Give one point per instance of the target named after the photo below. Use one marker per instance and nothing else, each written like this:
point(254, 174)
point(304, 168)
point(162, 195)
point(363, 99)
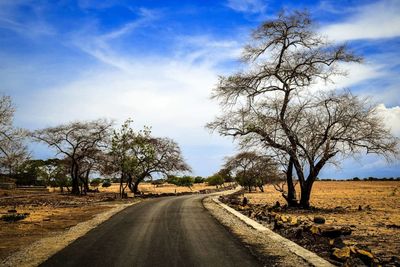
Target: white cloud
point(391, 117)
point(33, 26)
point(377, 20)
point(247, 6)
point(172, 97)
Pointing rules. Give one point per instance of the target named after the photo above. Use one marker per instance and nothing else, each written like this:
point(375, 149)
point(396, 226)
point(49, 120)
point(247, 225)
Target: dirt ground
point(371, 208)
point(49, 213)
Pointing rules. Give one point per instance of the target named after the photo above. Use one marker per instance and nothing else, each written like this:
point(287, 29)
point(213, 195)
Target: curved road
point(171, 231)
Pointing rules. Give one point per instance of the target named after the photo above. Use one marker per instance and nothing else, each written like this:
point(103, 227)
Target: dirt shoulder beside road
point(261, 246)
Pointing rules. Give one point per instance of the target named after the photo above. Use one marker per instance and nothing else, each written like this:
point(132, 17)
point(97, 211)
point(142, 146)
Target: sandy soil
point(376, 225)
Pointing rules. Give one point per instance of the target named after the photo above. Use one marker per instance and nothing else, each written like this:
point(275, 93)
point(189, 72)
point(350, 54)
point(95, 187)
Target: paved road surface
point(171, 231)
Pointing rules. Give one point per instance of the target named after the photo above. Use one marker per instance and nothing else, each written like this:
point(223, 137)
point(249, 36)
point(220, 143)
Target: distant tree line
point(364, 179)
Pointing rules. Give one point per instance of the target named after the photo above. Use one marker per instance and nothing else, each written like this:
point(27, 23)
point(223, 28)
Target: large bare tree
point(275, 101)
point(13, 150)
point(77, 142)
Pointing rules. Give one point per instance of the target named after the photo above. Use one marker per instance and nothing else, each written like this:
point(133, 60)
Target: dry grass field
point(376, 224)
point(160, 189)
point(49, 213)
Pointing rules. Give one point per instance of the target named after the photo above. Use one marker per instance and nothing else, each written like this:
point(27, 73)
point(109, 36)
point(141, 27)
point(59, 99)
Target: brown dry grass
point(49, 214)
point(165, 188)
point(339, 202)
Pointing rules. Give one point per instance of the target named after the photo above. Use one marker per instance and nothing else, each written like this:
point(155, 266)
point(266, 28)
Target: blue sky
point(157, 62)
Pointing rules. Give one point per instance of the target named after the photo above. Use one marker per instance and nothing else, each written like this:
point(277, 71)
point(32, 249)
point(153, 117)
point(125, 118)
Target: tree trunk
point(136, 188)
point(291, 196)
point(121, 187)
point(74, 177)
point(86, 182)
point(306, 192)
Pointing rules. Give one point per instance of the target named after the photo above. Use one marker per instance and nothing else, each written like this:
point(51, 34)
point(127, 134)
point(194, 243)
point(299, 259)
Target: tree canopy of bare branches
point(13, 150)
point(275, 104)
point(252, 169)
point(78, 143)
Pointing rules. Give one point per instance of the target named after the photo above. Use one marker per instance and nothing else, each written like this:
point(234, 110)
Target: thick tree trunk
point(306, 192)
point(136, 188)
point(305, 198)
point(75, 182)
point(291, 196)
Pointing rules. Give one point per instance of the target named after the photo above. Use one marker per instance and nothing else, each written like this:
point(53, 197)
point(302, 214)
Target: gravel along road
point(170, 231)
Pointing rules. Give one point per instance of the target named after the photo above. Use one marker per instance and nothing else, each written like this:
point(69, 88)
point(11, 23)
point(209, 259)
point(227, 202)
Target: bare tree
point(77, 142)
point(138, 155)
point(273, 103)
point(252, 169)
point(13, 150)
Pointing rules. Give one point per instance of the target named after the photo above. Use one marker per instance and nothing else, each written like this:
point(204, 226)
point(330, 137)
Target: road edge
point(39, 251)
point(310, 257)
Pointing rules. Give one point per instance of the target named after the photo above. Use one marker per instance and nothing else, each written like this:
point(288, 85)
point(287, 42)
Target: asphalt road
point(171, 231)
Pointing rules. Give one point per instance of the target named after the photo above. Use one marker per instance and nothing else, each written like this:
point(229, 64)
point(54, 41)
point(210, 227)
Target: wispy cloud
point(373, 21)
point(32, 26)
point(247, 6)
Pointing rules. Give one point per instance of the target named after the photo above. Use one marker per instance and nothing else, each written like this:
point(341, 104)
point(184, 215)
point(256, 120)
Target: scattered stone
point(314, 230)
point(337, 243)
point(366, 256)
point(341, 254)
point(319, 219)
point(334, 232)
point(294, 221)
point(284, 218)
point(46, 219)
